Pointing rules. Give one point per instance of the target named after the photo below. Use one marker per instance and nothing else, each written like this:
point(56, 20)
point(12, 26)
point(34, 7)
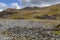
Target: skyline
point(4, 4)
point(18, 4)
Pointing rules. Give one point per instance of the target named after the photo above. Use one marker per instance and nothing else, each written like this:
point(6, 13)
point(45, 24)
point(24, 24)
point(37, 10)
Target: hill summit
point(50, 12)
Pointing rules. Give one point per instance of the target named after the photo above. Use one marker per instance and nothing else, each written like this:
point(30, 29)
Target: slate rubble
point(27, 30)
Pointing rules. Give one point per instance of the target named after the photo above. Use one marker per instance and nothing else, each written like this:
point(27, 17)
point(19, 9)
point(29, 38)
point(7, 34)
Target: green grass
point(57, 32)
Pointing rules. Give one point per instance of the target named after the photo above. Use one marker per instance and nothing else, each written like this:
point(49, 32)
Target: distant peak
point(31, 8)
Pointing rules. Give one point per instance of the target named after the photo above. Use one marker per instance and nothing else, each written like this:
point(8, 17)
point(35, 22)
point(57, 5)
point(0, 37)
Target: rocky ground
point(26, 30)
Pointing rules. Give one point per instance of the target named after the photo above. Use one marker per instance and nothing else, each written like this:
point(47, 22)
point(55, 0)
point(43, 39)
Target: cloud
point(29, 3)
point(40, 3)
point(3, 6)
point(1, 10)
point(15, 6)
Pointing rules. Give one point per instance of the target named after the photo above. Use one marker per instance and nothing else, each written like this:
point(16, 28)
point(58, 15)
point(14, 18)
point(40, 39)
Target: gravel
point(26, 30)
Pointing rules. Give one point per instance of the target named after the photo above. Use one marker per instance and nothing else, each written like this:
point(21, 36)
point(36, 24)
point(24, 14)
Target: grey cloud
point(14, 6)
point(39, 3)
point(3, 6)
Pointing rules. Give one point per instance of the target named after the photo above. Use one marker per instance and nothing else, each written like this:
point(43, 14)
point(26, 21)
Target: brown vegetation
point(50, 12)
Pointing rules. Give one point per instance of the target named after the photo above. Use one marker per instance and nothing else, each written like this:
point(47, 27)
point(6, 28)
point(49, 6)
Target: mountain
point(50, 12)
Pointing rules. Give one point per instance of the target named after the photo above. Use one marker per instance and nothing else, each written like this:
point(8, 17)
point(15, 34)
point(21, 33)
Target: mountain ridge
point(32, 12)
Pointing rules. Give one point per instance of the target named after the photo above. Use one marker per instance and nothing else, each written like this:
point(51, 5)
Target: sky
point(4, 4)
point(18, 4)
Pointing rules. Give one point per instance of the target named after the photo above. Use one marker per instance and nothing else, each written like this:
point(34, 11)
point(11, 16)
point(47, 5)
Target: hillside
point(15, 25)
point(50, 12)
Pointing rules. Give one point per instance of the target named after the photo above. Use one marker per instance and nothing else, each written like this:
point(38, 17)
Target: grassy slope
point(31, 13)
